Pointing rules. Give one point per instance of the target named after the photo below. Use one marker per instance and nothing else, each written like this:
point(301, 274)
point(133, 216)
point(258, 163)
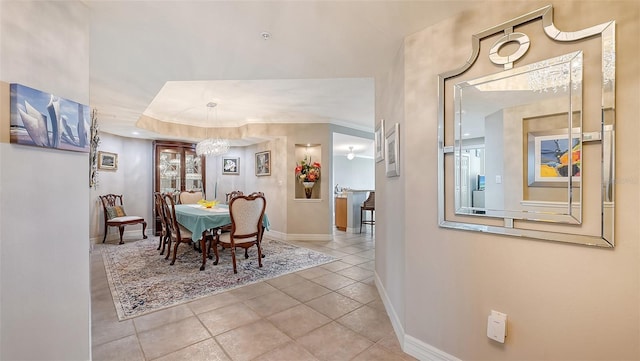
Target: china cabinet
point(177, 168)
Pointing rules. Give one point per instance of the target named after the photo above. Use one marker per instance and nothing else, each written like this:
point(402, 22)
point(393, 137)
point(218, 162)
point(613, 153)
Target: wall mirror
point(534, 111)
point(515, 156)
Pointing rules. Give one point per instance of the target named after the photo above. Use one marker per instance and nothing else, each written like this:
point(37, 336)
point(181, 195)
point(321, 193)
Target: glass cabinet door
point(177, 169)
point(169, 171)
point(193, 171)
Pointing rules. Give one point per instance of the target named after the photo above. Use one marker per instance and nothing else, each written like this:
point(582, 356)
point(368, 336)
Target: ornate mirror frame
point(502, 223)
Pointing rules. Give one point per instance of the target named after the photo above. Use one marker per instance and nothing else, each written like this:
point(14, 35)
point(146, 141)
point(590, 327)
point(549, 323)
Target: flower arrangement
point(307, 171)
point(207, 204)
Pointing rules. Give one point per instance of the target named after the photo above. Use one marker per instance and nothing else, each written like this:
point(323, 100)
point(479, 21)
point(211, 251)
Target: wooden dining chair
point(161, 211)
point(190, 197)
point(230, 196)
point(247, 213)
point(115, 216)
point(177, 233)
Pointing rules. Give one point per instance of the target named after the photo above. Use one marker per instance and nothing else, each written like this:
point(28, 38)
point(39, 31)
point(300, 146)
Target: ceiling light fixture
point(350, 155)
point(265, 35)
point(212, 146)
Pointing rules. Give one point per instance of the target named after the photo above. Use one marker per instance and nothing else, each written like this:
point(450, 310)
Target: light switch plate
point(497, 326)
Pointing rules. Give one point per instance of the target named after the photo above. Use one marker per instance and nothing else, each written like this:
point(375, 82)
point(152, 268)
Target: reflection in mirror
point(518, 142)
point(518, 138)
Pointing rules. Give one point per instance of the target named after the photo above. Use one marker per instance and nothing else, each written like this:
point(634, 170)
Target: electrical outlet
point(497, 326)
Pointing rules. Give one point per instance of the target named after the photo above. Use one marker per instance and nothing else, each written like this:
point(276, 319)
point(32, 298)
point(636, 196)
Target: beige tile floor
point(329, 312)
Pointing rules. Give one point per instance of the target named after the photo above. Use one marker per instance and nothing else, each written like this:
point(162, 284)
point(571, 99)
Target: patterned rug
point(142, 281)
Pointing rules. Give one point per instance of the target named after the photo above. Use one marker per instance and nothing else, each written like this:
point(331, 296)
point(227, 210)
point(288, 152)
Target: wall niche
point(308, 175)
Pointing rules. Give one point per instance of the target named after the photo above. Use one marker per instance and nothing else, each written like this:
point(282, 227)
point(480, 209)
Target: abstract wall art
point(46, 120)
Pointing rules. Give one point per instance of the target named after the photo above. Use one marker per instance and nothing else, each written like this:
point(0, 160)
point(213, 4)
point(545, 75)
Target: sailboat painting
point(46, 120)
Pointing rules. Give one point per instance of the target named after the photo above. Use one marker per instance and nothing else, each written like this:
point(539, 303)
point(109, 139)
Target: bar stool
point(368, 205)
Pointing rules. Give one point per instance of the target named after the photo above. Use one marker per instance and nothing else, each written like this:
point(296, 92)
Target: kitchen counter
point(349, 210)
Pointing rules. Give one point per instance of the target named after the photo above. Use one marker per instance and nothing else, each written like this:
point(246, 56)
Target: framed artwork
point(45, 120)
point(107, 161)
point(552, 158)
point(392, 151)
point(230, 165)
point(379, 141)
point(263, 163)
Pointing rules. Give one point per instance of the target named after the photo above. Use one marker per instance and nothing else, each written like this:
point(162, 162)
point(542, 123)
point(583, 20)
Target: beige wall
point(390, 195)
point(565, 302)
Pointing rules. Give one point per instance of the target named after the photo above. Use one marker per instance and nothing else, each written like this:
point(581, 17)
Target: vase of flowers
point(308, 173)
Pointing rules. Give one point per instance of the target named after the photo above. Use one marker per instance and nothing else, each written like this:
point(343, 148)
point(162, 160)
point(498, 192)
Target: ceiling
point(168, 59)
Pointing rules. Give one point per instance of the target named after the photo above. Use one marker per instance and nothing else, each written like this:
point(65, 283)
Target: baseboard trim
point(424, 351)
point(307, 237)
point(396, 322)
point(275, 235)
point(115, 235)
point(411, 345)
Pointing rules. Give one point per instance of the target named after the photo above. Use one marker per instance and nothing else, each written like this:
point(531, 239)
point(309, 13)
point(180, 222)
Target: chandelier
point(212, 146)
point(556, 75)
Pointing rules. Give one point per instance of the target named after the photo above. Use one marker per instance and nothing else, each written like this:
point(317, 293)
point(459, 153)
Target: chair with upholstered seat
point(165, 231)
point(232, 195)
point(247, 213)
point(229, 197)
point(115, 216)
point(177, 233)
point(368, 205)
point(190, 197)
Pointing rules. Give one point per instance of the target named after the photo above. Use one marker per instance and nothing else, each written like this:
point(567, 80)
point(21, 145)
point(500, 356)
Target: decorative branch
point(93, 151)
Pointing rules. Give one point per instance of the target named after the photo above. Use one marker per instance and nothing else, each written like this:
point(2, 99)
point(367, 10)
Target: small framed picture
point(107, 161)
point(230, 165)
point(553, 158)
point(379, 141)
point(392, 151)
point(263, 163)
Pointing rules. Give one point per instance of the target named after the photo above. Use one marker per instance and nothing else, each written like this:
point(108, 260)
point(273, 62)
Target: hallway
point(329, 312)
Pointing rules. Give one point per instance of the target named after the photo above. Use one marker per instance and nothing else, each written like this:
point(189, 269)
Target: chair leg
point(163, 241)
point(175, 252)
point(168, 247)
point(259, 254)
point(106, 228)
point(121, 229)
point(372, 221)
point(233, 257)
point(246, 253)
point(215, 247)
point(144, 228)
point(203, 245)
point(361, 220)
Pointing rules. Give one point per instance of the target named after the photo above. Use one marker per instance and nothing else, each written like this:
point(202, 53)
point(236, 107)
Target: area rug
point(142, 281)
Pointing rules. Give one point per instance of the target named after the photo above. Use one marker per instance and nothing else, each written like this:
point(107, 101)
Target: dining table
point(203, 221)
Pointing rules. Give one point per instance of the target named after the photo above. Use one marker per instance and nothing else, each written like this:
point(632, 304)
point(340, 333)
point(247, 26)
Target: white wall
point(226, 183)
point(133, 179)
point(358, 173)
point(494, 147)
point(44, 194)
